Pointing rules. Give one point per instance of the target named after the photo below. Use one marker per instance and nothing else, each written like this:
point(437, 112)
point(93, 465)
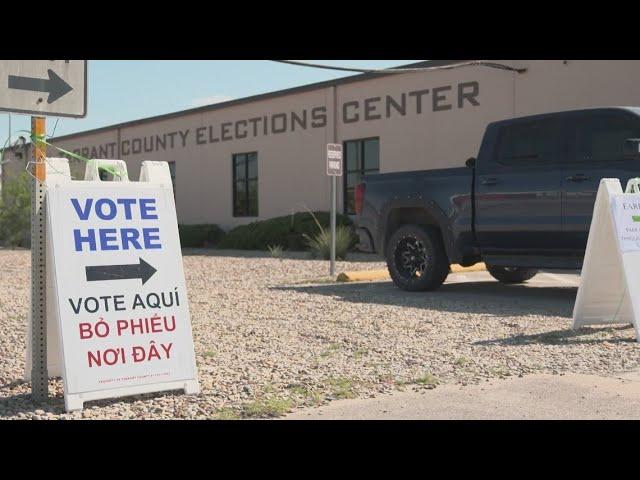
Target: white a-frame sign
point(609, 289)
point(118, 320)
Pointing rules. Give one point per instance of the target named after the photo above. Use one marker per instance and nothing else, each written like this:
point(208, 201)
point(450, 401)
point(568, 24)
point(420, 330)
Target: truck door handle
point(580, 177)
point(490, 181)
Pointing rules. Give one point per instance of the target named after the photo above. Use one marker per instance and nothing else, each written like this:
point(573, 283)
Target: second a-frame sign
point(609, 289)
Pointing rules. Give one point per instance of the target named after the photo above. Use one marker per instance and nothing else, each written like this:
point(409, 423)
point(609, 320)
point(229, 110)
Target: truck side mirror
point(631, 148)
point(471, 162)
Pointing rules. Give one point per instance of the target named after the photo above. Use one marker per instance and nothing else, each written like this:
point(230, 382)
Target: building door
point(360, 157)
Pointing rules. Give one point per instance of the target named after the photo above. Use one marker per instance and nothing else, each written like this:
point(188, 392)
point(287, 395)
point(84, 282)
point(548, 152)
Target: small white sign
point(627, 219)
point(120, 291)
point(44, 87)
point(334, 159)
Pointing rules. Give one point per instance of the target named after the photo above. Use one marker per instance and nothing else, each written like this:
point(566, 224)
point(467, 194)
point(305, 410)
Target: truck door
point(597, 141)
point(518, 189)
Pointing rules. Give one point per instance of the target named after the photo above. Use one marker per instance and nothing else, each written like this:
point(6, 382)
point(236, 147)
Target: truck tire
point(416, 258)
point(512, 274)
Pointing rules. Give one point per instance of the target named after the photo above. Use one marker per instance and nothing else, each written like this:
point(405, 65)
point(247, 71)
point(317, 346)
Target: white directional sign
point(334, 159)
point(121, 298)
point(44, 87)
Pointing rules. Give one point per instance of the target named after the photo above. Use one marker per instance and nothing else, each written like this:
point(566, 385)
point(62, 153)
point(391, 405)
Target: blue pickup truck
point(523, 204)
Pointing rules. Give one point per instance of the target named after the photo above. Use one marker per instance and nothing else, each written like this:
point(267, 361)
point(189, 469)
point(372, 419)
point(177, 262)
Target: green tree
point(15, 212)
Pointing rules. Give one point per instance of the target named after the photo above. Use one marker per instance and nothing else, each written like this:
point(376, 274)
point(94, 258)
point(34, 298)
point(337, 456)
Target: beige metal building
point(265, 156)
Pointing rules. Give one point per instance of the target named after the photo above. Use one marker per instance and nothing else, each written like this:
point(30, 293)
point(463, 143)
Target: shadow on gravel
point(22, 403)
point(10, 385)
point(465, 297)
point(563, 337)
point(287, 255)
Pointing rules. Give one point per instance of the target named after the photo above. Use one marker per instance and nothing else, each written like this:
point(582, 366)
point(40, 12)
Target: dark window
point(104, 174)
point(528, 143)
point(600, 138)
point(360, 157)
point(172, 172)
point(245, 185)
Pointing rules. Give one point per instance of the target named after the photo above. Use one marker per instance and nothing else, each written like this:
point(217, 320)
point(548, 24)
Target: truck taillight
point(359, 194)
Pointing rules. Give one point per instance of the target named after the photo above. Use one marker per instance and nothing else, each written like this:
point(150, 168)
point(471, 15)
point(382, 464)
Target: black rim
point(411, 257)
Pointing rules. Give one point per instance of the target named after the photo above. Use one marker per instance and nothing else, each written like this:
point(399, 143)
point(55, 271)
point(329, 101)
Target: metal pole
point(9, 145)
point(332, 266)
point(39, 374)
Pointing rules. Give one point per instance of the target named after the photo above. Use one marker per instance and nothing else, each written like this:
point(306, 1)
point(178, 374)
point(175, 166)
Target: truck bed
point(446, 192)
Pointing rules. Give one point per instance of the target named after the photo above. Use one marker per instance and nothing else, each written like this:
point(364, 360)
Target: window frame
point(360, 142)
point(247, 180)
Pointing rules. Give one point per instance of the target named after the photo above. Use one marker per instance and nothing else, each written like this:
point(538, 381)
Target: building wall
point(424, 120)
point(555, 86)
point(290, 163)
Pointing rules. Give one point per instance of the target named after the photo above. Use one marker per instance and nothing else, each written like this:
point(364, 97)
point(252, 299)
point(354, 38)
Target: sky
point(123, 90)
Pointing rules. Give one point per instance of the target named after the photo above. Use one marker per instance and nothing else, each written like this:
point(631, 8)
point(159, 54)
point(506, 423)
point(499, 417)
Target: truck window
point(600, 138)
point(527, 143)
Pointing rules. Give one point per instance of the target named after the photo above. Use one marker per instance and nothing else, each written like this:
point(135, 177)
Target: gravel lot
point(272, 335)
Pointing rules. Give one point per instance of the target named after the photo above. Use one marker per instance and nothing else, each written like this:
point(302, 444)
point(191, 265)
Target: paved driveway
point(552, 397)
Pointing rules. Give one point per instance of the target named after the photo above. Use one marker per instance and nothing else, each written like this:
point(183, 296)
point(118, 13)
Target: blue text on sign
point(124, 238)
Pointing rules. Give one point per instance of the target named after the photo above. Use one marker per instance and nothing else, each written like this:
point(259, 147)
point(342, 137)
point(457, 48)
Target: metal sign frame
point(57, 114)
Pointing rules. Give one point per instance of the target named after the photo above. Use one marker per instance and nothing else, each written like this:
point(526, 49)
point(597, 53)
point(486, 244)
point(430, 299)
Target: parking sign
point(334, 159)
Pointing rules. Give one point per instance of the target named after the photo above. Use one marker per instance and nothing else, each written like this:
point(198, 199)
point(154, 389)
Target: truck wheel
point(512, 274)
point(416, 258)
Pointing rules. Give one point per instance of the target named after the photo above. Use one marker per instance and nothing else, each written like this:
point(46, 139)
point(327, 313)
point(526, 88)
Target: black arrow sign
point(141, 270)
point(54, 85)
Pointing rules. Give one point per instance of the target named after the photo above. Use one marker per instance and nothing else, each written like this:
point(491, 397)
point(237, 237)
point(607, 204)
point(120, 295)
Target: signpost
point(119, 290)
point(334, 169)
point(39, 373)
point(40, 88)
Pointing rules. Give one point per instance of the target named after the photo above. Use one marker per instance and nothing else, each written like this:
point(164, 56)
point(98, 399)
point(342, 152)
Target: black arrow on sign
point(55, 86)
point(141, 270)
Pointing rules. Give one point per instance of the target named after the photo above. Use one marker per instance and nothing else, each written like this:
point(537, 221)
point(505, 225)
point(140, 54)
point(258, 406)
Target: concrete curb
point(372, 275)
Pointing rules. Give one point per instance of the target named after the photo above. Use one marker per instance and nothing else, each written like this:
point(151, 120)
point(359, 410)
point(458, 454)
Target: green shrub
point(276, 251)
point(287, 231)
point(15, 212)
point(320, 243)
point(198, 236)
